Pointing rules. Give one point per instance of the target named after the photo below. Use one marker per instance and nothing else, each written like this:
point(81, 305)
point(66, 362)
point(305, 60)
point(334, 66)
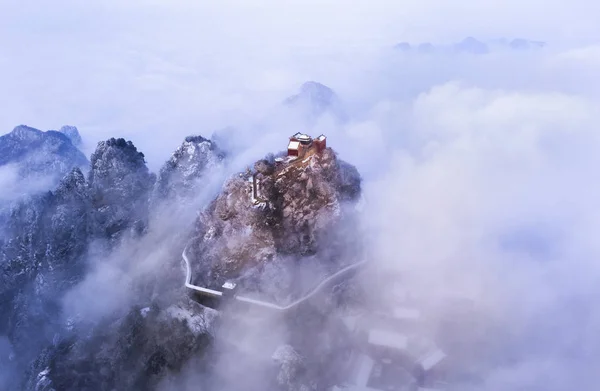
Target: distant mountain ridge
point(35, 153)
point(473, 45)
point(314, 100)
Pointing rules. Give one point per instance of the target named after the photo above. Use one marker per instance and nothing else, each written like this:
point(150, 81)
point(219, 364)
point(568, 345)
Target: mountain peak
point(72, 133)
point(24, 132)
point(120, 183)
point(40, 154)
point(282, 212)
point(472, 45)
point(315, 92)
point(315, 99)
point(187, 165)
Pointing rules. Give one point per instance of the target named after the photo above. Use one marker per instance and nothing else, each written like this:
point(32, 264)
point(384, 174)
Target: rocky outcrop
point(120, 185)
point(130, 353)
point(42, 256)
point(274, 217)
point(185, 169)
point(46, 238)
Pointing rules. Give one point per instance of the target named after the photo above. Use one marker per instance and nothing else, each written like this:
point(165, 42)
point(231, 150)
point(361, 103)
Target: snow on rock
point(290, 365)
point(40, 156)
point(120, 184)
point(300, 211)
point(183, 172)
point(43, 381)
point(199, 322)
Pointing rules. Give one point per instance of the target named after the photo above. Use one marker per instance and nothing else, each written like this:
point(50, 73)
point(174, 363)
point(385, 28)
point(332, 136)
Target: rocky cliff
point(180, 175)
point(44, 252)
point(278, 219)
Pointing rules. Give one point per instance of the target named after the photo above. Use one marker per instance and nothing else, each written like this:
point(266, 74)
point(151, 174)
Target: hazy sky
point(163, 69)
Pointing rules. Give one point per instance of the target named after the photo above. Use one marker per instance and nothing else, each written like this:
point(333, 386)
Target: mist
point(478, 171)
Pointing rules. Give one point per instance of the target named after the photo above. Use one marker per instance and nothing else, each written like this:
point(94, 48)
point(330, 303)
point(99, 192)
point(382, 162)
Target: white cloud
point(496, 202)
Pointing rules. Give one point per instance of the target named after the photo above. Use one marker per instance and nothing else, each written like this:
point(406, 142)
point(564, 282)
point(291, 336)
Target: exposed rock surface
point(44, 243)
point(45, 253)
point(120, 185)
point(182, 172)
point(299, 216)
point(298, 221)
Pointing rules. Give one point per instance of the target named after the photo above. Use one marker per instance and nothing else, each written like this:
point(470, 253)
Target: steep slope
point(120, 185)
point(275, 218)
point(46, 238)
point(42, 257)
point(160, 332)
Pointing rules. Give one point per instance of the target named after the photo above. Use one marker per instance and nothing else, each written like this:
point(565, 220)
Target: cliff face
point(120, 185)
point(180, 174)
point(273, 217)
point(44, 252)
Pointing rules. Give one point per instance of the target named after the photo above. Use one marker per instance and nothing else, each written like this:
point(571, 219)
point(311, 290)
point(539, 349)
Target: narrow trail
point(217, 294)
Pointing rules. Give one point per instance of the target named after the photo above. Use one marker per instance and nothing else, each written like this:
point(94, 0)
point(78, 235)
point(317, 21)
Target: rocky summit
point(283, 216)
point(186, 167)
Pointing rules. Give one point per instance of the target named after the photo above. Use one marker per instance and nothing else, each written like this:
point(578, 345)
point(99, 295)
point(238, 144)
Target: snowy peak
point(72, 182)
point(120, 183)
point(26, 133)
point(182, 172)
point(113, 157)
